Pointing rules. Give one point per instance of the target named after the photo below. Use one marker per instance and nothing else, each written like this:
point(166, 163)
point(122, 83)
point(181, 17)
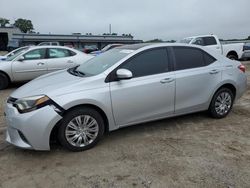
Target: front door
point(149, 94)
point(33, 65)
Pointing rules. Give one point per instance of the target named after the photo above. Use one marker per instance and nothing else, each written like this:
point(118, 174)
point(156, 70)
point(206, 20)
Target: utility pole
point(110, 29)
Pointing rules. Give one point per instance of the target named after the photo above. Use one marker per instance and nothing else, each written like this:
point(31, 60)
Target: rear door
point(197, 75)
point(33, 65)
point(149, 94)
point(60, 58)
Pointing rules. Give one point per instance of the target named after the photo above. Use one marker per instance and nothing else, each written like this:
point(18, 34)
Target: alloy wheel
point(223, 103)
point(81, 131)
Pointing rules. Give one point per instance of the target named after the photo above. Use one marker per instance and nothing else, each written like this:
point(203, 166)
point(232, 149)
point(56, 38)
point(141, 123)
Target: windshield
point(10, 58)
point(106, 48)
point(17, 51)
point(186, 40)
point(102, 62)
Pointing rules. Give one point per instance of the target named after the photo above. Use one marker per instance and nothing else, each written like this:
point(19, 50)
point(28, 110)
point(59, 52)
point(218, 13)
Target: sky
point(144, 19)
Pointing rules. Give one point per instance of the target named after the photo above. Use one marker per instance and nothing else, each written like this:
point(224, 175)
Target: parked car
point(232, 51)
point(246, 51)
point(14, 52)
point(106, 48)
point(36, 61)
point(49, 44)
point(88, 49)
point(121, 87)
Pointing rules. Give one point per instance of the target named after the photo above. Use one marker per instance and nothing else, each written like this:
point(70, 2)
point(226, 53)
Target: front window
point(10, 58)
point(148, 63)
point(102, 62)
point(35, 54)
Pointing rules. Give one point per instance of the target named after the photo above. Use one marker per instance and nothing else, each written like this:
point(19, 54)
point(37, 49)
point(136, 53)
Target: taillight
point(242, 68)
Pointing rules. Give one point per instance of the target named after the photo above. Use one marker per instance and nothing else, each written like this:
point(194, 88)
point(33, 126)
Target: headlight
point(31, 103)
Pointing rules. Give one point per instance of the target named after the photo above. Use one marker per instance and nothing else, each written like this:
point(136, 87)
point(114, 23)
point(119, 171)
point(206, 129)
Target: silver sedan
point(36, 61)
point(121, 87)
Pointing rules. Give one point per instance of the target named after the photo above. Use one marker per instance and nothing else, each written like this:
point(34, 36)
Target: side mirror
point(21, 58)
point(123, 74)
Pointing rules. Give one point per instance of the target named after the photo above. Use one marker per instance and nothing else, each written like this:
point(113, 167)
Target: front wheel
point(81, 129)
point(4, 81)
point(221, 103)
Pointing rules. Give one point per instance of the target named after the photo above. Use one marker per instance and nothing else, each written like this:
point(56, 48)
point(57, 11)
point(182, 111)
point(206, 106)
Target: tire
point(4, 81)
point(221, 103)
point(72, 128)
point(232, 57)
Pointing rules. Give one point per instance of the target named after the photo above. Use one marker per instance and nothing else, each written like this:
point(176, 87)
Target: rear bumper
point(30, 130)
point(242, 86)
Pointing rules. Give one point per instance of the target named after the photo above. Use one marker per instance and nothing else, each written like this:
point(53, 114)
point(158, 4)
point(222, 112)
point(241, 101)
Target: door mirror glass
point(21, 58)
point(124, 74)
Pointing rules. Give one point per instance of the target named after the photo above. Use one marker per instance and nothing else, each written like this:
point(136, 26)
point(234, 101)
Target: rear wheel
point(232, 57)
point(4, 81)
point(81, 129)
point(221, 103)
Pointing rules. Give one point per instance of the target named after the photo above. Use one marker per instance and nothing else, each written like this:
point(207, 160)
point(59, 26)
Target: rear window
point(209, 41)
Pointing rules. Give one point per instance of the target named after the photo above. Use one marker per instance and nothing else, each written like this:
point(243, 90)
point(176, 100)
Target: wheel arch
point(54, 131)
point(6, 74)
point(228, 85)
point(232, 52)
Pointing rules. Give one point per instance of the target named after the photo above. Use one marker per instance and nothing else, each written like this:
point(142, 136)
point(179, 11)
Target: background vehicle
point(14, 52)
point(121, 87)
point(36, 61)
point(246, 51)
point(232, 51)
point(88, 49)
point(49, 44)
point(106, 48)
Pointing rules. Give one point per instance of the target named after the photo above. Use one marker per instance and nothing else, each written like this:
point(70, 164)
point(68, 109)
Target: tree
point(248, 38)
point(24, 25)
point(4, 21)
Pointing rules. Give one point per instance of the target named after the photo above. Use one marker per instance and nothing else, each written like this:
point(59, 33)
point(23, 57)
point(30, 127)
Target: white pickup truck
point(232, 51)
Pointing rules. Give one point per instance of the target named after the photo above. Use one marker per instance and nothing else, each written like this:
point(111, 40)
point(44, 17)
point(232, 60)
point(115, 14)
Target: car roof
point(198, 36)
point(153, 45)
point(51, 46)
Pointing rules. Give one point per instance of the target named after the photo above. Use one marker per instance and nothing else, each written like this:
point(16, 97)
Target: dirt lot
point(188, 151)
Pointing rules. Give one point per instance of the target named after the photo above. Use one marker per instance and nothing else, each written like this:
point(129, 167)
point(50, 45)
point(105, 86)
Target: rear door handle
point(215, 71)
point(167, 80)
point(40, 64)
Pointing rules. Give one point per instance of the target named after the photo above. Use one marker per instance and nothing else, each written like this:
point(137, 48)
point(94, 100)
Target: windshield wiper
point(76, 72)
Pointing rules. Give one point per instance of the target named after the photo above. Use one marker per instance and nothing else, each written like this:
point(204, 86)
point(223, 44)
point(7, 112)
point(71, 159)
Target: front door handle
point(69, 61)
point(167, 80)
point(215, 71)
point(40, 64)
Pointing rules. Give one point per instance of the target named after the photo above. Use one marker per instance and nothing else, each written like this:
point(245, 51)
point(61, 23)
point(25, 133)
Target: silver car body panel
point(125, 102)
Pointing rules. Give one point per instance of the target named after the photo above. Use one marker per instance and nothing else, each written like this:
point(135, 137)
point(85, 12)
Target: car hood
point(54, 84)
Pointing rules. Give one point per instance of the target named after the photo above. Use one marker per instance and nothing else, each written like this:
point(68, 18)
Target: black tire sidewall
point(72, 114)
point(232, 57)
point(212, 110)
point(4, 81)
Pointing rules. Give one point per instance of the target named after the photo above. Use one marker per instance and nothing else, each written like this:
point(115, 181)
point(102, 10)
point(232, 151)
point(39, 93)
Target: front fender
point(99, 98)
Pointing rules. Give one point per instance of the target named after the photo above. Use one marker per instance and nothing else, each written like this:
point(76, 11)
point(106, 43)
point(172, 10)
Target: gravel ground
point(188, 151)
